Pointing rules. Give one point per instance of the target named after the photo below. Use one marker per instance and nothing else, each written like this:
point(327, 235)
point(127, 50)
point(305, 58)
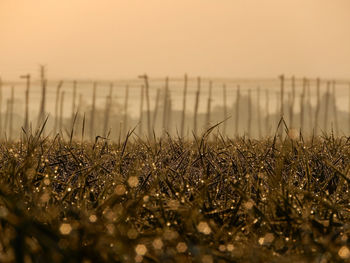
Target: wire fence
point(177, 106)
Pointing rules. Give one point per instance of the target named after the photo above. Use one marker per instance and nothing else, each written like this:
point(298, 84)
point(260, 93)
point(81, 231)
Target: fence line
point(303, 103)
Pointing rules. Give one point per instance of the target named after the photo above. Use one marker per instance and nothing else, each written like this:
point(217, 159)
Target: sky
point(111, 39)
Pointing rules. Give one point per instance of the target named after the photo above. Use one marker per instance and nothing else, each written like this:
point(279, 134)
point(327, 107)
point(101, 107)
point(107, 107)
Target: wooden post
point(238, 98)
point(108, 107)
point(249, 113)
point(317, 112)
point(126, 110)
point(7, 113)
point(26, 112)
point(43, 80)
point(349, 110)
point(196, 105)
point(155, 113)
point(302, 108)
point(267, 121)
point(148, 106)
point(0, 108)
point(56, 106)
point(309, 107)
point(12, 101)
point(141, 111)
point(207, 121)
point(61, 113)
point(335, 110)
point(282, 104)
point(169, 113)
point(225, 108)
point(325, 124)
point(258, 112)
point(184, 106)
point(291, 109)
point(166, 106)
point(93, 109)
point(74, 99)
point(282, 95)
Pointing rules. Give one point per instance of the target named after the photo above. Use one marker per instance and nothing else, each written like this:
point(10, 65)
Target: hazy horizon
point(122, 39)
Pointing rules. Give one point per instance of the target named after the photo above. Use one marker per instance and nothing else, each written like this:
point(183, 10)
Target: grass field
point(169, 200)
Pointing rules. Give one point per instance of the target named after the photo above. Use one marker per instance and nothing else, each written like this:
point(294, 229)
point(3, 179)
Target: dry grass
point(175, 201)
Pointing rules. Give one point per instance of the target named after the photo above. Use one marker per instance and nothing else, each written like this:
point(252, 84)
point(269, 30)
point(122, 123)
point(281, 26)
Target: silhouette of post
point(309, 108)
point(249, 113)
point(196, 105)
point(12, 102)
point(317, 112)
point(184, 99)
point(207, 121)
point(108, 107)
point(267, 103)
point(282, 104)
point(74, 99)
point(238, 98)
point(302, 106)
point(26, 111)
point(7, 116)
point(258, 112)
point(0, 108)
point(325, 124)
point(93, 109)
point(61, 113)
point(166, 106)
point(58, 88)
point(155, 113)
point(43, 82)
point(145, 78)
point(292, 102)
point(225, 108)
point(335, 111)
point(349, 110)
point(141, 110)
point(126, 109)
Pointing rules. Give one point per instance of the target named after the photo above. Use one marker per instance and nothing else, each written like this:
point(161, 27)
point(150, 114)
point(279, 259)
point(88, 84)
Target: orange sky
point(228, 38)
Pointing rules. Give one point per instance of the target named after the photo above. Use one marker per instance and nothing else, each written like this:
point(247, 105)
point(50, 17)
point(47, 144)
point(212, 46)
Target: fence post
point(196, 104)
point(61, 113)
point(0, 108)
point(141, 110)
point(317, 113)
point(165, 106)
point(282, 104)
point(249, 113)
point(302, 108)
point(325, 124)
point(335, 111)
point(291, 109)
point(12, 101)
point(155, 113)
point(74, 99)
point(26, 111)
point(258, 112)
point(225, 108)
point(108, 110)
point(267, 103)
point(93, 108)
point(207, 121)
point(58, 88)
point(238, 97)
point(43, 81)
point(126, 109)
point(184, 106)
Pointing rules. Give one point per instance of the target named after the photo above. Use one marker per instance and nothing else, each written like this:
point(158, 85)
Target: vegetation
point(209, 200)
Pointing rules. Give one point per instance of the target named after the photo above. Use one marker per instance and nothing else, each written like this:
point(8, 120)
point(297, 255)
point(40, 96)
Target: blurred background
point(233, 52)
